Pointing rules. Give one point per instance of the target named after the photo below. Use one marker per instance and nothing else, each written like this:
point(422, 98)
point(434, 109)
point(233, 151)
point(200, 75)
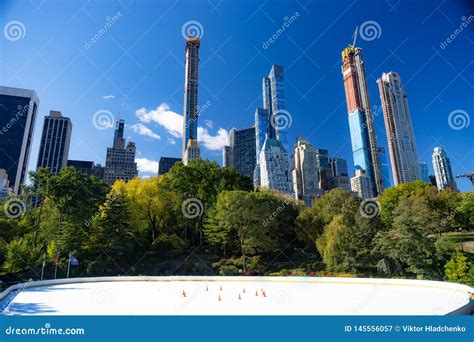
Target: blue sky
point(135, 69)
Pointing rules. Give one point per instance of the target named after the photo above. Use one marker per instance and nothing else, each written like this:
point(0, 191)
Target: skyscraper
point(425, 175)
point(360, 184)
point(364, 144)
point(18, 110)
point(262, 129)
point(304, 172)
point(120, 160)
point(55, 140)
point(267, 126)
point(443, 171)
point(166, 163)
point(274, 168)
point(191, 109)
point(275, 104)
point(240, 153)
point(384, 167)
point(399, 128)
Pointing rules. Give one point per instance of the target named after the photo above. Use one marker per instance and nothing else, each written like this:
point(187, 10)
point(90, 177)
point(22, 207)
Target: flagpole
point(69, 264)
point(44, 263)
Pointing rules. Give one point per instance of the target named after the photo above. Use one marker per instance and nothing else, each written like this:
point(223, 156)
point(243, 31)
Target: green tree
point(413, 239)
point(391, 197)
point(457, 269)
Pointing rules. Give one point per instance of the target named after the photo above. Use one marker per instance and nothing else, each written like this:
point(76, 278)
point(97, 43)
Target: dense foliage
point(203, 219)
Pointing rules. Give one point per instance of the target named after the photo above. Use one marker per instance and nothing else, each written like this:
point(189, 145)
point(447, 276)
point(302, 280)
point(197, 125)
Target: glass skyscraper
point(18, 111)
point(274, 102)
point(384, 167)
point(425, 174)
point(267, 127)
point(241, 152)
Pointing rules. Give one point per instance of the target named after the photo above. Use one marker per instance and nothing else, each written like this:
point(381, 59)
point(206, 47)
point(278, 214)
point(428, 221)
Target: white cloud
point(171, 141)
point(213, 142)
point(163, 116)
point(209, 123)
point(108, 97)
point(173, 123)
point(147, 165)
point(143, 130)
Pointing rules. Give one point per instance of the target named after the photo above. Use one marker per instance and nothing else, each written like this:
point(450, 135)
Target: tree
point(457, 269)
point(391, 197)
point(312, 221)
point(251, 223)
point(411, 239)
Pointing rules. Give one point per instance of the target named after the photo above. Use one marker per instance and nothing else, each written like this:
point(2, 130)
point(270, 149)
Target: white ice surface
point(263, 296)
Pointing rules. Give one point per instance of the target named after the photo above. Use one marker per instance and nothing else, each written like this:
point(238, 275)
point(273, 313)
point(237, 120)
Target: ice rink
point(235, 296)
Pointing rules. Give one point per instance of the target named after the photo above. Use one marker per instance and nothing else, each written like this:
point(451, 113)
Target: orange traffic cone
point(256, 293)
point(243, 290)
point(207, 288)
point(220, 288)
point(240, 297)
point(264, 294)
point(220, 299)
point(184, 293)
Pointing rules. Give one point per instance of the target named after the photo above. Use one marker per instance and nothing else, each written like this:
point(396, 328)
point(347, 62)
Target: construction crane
point(469, 176)
point(356, 32)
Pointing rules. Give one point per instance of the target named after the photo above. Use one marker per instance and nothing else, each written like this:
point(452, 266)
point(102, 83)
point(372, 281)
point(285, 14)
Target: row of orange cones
point(240, 297)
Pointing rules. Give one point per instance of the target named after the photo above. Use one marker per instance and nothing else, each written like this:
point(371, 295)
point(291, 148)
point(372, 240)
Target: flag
point(74, 261)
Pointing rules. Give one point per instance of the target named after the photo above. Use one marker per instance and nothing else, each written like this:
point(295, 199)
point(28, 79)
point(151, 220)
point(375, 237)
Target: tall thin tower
point(363, 139)
point(399, 128)
point(190, 149)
